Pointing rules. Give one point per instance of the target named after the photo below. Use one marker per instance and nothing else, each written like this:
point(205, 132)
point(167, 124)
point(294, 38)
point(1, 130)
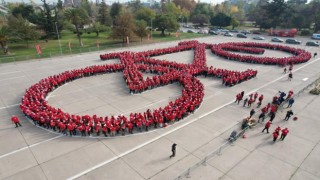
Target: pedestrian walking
point(238, 98)
point(275, 136)
point(262, 116)
point(290, 102)
point(284, 133)
point(16, 121)
point(272, 116)
point(314, 55)
point(284, 70)
point(173, 149)
point(245, 102)
point(277, 130)
point(290, 76)
point(288, 115)
point(250, 102)
point(267, 126)
point(252, 112)
point(242, 94)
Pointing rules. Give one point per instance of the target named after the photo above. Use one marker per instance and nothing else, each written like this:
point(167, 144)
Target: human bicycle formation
point(35, 106)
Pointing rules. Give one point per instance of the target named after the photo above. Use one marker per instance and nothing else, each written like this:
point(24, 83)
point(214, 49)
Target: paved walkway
point(33, 153)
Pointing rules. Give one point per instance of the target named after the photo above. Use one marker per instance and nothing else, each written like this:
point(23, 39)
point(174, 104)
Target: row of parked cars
point(243, 34)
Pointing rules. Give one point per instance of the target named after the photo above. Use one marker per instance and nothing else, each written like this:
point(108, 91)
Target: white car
point(258, 38)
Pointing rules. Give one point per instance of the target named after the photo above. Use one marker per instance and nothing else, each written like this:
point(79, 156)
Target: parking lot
point(30, 152)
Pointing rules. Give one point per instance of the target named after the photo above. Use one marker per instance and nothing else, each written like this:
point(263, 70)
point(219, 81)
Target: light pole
point(58, 38)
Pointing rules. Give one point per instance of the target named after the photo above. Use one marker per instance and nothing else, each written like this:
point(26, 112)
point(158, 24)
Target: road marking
point(305, 79)
point(10, 72)
point(13, 105)
point(177, 128)
point(12, 78)
point(24, 148)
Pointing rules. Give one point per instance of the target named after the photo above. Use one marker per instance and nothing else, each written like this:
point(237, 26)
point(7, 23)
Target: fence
point(217, 151)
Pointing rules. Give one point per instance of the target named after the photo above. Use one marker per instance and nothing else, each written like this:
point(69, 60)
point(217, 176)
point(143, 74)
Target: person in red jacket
point(16, 121)
point(284, 133)
point(267, 126)
point(275, 136)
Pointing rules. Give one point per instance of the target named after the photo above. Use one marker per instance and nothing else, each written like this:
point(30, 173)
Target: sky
point(38, 1)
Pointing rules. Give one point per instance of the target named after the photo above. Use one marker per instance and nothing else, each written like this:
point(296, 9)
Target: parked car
point(312, 43)
point(224, 30)
point(245, 32)
point(258, 38)
point(293, 41)
point(213, 32)
point(276, 39)
point(234, 31)
point(190, 31)
point(228, 34)
point(256, 32)
point(240, 35)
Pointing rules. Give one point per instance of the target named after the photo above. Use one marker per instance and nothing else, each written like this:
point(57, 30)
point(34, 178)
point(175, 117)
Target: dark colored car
point(213, 32)
point(241, 35)
point(256, 32)
point(293, 41)
point(234, 31)
point(276, 39)
point(228, 34)
point(311, 43)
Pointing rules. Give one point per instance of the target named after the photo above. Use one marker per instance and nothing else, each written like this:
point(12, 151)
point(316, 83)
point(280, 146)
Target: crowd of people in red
point(132, 64)
point(299, 55)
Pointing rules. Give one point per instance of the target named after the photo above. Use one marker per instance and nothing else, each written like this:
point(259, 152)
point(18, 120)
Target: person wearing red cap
point(16, 121)
point(284, 133)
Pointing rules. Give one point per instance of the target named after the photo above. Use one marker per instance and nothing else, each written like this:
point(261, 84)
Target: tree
point(314, 7)
point(134, 5)
point(171, 8)
point(145, 14)
point(189, 5)
point(141, 29)
point(220, 20)
point(104, 15)
point(22, 29)
point(97, 28)
point(124, 27)
point(115, 10)
point(78, 17)
point(46, 21)
point(277, 12)
point(4, 36)
point(234, 22)
point(200, 14)
point(166, 22)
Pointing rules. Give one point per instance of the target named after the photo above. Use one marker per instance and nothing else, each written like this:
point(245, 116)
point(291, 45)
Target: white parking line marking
point(12, 78)
point(13, 105)
point(24, 148)
point(305, 79)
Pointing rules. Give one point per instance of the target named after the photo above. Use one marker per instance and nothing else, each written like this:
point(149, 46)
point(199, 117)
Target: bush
point(305, 32)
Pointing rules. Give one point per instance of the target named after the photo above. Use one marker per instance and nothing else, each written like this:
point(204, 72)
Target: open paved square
point(30, 152)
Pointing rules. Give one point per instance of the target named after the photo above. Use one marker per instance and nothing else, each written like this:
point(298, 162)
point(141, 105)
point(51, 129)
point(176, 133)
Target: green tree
point(145, 14)
point(103, 14)
point(124, 27)
point(171, 8)
point(4, 37)
point(166, 22)
point(277, 12)
point(220, 20)
point(314, 8)
point(115, 10)
point(97, 28)
point(141, 29)
point(22, 29)
point(134, 6)
point(78, 17)
point(200, 14)
point(234, 22)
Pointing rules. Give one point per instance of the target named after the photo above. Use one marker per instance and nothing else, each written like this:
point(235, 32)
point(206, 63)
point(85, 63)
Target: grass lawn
point(19, 50)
